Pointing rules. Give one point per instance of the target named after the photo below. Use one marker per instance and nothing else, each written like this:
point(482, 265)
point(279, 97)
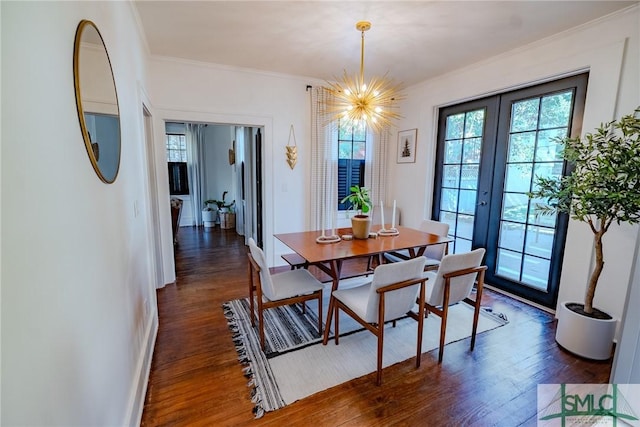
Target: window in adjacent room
point(177, 163)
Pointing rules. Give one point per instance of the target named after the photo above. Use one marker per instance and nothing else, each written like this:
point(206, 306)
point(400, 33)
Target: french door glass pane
point(451, 176)
point(509, 263)
point(535, 272)
point(453, 151)
point(460, 174)
point(464, 227)
point(512, 235)
point(449, 200)
point(525, 237)
point(518, 177)
point(455, 126)
point(539, 241)
point(469, 177)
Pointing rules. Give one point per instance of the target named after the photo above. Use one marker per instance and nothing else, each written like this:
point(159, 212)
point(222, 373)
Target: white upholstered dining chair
point(453, 283)
point(433, 253)
point(390, 295)
point(274, 290)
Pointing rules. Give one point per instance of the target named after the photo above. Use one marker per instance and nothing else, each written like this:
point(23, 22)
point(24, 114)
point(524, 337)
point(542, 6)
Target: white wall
point(626, 364)
point(78, 300)
point(609, 49)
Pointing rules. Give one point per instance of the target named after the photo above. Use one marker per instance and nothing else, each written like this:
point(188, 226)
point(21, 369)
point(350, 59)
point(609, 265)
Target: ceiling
point(412, 41)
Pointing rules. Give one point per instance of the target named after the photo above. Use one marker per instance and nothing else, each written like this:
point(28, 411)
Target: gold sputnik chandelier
point(356, 100)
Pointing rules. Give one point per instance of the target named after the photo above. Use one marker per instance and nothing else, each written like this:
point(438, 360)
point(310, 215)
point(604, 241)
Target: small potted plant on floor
point(222, 207)
point(360, 201)
point(603, 188)
point(208, 215)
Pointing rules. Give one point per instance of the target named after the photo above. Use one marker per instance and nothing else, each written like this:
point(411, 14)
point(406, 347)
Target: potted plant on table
point(360, 201)
point(603, 188)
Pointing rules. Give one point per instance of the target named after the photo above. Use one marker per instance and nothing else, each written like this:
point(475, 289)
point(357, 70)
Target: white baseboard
point(141, 378)
point(516, 297)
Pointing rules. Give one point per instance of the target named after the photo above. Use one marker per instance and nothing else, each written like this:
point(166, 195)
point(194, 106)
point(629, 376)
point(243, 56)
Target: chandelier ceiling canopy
point(354, 99)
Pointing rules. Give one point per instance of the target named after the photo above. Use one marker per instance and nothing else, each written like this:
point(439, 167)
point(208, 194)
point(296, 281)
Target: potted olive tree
point(360, 201)
point(603, 188)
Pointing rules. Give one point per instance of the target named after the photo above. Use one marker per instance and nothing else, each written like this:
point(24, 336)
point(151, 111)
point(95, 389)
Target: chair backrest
point(460, 286)
point(376, 216)
point(265, 276)
point(398, 302)
point(440, 229)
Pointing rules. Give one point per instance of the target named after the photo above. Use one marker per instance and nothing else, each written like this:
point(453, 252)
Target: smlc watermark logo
point(588, 405)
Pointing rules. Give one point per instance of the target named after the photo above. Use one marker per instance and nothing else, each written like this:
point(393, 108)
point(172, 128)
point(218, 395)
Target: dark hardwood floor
point(196, 379)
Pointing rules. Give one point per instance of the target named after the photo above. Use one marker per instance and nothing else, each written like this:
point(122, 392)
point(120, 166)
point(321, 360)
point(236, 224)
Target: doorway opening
point(216, 170)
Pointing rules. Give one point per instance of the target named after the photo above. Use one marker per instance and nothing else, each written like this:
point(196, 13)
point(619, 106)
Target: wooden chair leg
point(261, 325)
point(443, 332)
point(380, 335)
point(336, 310)
point(251, 289)
point(420, 325)
point(320, 313)
point(445, 312)
point(478, 304)
point(380, 347)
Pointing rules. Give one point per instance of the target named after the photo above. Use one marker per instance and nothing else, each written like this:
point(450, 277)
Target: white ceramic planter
point(585, 336)
point(209, 218)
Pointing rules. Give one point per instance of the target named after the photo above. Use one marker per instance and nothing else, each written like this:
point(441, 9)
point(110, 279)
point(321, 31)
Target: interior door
point(489, 153)
point(258, 198)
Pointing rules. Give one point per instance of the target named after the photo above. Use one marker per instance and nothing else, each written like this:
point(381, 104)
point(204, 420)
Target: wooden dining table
point(328, 257)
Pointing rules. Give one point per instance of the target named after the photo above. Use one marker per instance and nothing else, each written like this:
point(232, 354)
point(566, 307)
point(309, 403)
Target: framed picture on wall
point(407, 146)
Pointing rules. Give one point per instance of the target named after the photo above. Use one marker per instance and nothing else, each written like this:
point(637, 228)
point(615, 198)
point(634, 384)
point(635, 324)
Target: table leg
point(335, 267)
point(420, 252)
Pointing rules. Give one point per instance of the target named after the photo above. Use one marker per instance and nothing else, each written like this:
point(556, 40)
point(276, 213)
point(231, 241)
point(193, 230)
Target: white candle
point(382, 214)
point(393, 216)
point(333, 222)
point(322, 216)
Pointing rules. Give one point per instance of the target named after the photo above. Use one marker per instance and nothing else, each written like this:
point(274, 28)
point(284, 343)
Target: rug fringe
point(236, 337)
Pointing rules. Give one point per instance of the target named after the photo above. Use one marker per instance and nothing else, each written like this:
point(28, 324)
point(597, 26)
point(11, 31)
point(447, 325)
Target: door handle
point(482, 203)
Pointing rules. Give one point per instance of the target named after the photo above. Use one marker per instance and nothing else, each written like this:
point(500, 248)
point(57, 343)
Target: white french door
point(489, 153)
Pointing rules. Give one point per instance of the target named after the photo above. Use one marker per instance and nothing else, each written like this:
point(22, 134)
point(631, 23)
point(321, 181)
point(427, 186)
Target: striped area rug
point(295, 364)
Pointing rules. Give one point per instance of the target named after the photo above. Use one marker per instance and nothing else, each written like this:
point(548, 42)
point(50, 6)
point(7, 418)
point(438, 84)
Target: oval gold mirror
point(97, 101)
